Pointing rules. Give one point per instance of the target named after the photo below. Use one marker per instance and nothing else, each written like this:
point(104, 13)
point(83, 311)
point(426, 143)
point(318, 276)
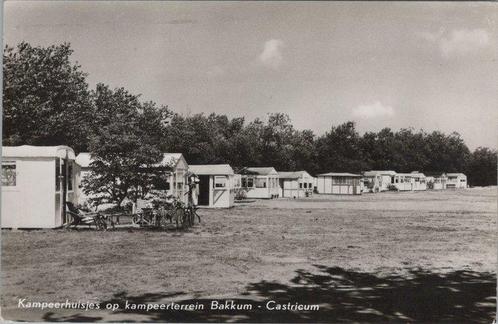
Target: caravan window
point(8, 173)
point(220, 182)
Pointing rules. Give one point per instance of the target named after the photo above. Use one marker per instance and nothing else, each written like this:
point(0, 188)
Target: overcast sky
point(425, 65)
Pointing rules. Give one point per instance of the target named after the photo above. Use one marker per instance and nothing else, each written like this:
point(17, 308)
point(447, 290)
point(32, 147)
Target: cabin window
point(57, 174)
point(301, 185)
point(250, 182)
point(260, 183)
point(243, 182)
point(220, 182)
point(70, 177)
point(462, 180)
point(310, 185)
point(9, 174)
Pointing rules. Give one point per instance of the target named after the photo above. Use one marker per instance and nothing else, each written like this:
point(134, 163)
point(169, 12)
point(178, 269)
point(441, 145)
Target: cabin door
point(61, 189)
point(204, 190)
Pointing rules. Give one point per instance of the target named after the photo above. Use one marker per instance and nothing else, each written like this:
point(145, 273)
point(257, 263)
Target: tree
point(339, 150)
point(481, 170)
point(46, 99)
point(446, 153)
point(125, 144)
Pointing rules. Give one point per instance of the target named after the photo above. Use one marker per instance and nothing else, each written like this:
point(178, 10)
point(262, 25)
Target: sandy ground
point(418, 256)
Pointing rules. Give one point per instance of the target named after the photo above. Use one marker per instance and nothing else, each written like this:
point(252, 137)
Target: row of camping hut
point(37, 181)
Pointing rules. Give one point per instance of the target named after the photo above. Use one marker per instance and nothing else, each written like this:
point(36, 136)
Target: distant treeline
point(47, 101)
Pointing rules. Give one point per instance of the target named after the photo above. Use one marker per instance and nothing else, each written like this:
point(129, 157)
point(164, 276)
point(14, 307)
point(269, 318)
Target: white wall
point(459, 182)
point(291, 189)
point(326, 186)
point(31, 203)
point(221, 197)
point(264, 193)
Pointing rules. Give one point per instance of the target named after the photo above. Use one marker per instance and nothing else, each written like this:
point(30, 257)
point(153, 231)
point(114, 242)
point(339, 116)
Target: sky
point(428, 65)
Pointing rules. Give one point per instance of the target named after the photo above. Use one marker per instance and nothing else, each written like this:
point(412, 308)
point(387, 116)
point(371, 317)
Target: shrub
point(240, 194)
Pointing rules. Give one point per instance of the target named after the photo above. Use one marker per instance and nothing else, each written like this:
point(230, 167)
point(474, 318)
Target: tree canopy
point(125, 144)
point(47, 101)
point(45, 97)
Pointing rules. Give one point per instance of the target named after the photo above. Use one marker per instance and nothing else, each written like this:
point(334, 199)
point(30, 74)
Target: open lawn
point(422, 256)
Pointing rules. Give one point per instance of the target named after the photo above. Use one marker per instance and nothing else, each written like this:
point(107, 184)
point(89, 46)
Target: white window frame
point(223, 183)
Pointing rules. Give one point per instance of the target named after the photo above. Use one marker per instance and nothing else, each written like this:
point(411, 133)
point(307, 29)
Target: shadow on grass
point(343, 296)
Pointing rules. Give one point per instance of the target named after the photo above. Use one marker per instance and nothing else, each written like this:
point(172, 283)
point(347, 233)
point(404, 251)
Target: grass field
point(423, 256)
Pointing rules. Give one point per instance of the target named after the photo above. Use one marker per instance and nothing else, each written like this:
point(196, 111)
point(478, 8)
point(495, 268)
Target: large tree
point(125, 145)
point(481, 169)
point(340, 150)
point(45, 97)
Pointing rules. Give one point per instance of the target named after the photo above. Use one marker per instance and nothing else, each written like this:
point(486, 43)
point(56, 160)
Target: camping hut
point(419, 181)
point(404, 181)
point(295, 184)
point(216, 185)
point(377, 181)
point(456, 180)
point(37, 181)
point(176, 179)
point(337, 183)
point(260, 182)
point(440, 182)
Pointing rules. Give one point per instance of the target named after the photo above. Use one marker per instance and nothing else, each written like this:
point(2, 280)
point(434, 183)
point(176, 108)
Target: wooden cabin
point(404, 181)
point(439, 182)
point(377, 181)
point(217, 185)
point(176, 183)
point(295, 184)
point(260, 182)
point(419, 181)
point(456, 180)
point(37, 181)
point(337, 183)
